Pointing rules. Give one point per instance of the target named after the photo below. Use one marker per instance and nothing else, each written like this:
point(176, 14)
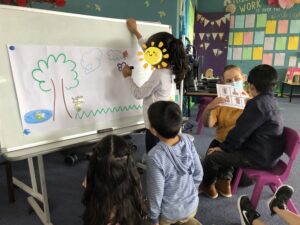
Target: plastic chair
point(203, 102)
point(276, 176)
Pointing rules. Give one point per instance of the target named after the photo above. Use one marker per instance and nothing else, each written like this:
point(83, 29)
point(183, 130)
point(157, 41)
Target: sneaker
point(246, 210)
point(280, 198)
point(224, 188)
point(210, 191)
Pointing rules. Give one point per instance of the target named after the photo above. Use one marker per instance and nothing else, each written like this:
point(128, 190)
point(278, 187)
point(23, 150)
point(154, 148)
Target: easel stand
point(42, 212)
point(35, 196)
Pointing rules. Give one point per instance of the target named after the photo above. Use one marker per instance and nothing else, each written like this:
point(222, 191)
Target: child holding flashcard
point(256, 140)
point(215, 114)
point(222, 116)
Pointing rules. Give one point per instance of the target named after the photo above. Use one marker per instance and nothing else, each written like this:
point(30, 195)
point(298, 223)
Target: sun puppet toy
point(154, 55)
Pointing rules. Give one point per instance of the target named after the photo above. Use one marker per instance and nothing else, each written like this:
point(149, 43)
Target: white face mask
point(237, 84)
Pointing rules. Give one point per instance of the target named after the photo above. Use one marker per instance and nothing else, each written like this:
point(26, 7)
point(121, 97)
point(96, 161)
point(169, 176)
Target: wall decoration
point(247, 53)
point(248, 38)
point(283, 26)
point(211, 40)
point(279, 59)
point(276, 34)
point(239, 21)
point(261, 20)
point(295, 27)
point(271, 27)
point(229, 53)
point(147, 3)
point(259, 37)
point(269, 43)
point(237, 54)
point(250, 21)
point(293, 43)
point(257, 53)
point(97, 7)
point(267, 58)
point(280, 43)
point(238, 38)
point(292, 61)
point(162, 14)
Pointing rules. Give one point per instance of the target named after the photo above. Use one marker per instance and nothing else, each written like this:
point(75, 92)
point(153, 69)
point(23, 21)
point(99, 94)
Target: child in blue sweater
point(174, 171)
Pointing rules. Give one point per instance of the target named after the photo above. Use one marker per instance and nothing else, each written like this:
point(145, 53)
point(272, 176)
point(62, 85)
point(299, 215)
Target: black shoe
point(247, 213)
point(281, 197)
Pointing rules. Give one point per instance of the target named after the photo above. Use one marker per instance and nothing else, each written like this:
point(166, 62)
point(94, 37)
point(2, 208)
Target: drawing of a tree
point(56, 73)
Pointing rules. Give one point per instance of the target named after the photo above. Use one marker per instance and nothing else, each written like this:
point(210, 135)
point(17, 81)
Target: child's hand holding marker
point(127, 70)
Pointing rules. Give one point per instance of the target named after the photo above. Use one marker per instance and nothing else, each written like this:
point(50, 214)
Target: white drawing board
point(86, 50)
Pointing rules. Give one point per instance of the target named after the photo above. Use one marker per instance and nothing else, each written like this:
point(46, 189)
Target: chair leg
point(10, 185)
point(236, 181)
point(256, 193)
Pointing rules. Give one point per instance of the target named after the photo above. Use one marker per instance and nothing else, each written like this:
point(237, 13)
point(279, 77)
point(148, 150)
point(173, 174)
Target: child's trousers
point(190, 220)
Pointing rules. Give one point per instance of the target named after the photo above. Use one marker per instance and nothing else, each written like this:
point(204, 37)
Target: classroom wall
point(164, 11)
point(273, 38)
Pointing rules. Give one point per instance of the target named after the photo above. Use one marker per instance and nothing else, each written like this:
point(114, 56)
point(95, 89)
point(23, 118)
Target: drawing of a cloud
point(90, 61)
point(115, 55)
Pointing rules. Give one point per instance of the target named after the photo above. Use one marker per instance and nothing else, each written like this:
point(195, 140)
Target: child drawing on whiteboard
point(223, 118)
point(113, 193)
point(166, 53)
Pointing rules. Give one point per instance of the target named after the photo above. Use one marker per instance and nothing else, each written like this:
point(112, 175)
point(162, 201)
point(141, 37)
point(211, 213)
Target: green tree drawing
point(52, 69)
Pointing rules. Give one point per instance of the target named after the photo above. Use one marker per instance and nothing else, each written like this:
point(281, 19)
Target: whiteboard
point(41, 28)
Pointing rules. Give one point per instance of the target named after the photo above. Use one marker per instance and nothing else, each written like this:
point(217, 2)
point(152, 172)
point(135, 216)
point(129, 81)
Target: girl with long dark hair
point(113, 193)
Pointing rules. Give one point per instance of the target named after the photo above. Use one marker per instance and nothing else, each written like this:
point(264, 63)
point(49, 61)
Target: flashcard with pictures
point(235, 97)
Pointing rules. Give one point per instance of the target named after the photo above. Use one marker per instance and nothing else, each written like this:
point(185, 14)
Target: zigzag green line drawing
point(98, 112)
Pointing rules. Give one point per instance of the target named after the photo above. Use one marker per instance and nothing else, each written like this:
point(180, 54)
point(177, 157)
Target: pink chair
point(276, 176)
point(204, 101)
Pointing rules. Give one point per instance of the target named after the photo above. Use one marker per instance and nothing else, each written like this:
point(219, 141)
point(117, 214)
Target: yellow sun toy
point(154, 55)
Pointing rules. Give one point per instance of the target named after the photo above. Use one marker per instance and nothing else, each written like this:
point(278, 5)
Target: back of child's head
point(165, 118)
point(113, 192)
point(263, 77)
point(177, 57)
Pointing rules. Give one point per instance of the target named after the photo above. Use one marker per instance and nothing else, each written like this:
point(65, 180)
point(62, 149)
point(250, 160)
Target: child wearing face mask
point(223, 118)
point(254, 142)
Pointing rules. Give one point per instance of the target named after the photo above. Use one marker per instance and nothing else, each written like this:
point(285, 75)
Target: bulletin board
point(260, 33)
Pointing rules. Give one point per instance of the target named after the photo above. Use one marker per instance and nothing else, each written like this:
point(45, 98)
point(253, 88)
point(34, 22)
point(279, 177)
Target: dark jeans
point(151, 140)
point(220, 165)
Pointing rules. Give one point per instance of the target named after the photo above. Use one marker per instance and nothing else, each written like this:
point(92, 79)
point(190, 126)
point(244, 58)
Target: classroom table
point(199, 93)
point(291, 85)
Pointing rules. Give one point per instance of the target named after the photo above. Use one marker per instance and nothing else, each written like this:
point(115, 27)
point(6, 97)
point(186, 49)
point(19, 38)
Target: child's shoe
point(209, 191)
point(280, 198)
point(247, 213)
point(224, 187)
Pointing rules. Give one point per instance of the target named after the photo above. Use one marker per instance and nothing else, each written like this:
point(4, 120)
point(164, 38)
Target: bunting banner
point(206, 45)
point(214, 35)
point(212, 32)
point(199, 16)
point(205, 21)
point(221, 35)
point(217, 52)
point(201, 35)
point(218, 22)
